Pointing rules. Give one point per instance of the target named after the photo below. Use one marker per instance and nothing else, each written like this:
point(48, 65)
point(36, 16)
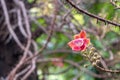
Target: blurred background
point(104, 37)
point(53, 24)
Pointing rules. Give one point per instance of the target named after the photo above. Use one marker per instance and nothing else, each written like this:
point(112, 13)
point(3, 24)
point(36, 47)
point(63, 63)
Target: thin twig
point(75, 65)
point(24, 11)
point(36, 22)
point(13, 72)
point(20, 25)
point(9, 26)
point(22, 72)
point(92, 15)
point(114, 4)
point(48, 38)
point(31, 70)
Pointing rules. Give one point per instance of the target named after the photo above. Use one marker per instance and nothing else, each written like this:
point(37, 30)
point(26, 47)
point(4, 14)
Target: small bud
point(92, 49)
point(98, 56)
point(90, 52)
point(86, 65)
point(95, 54)
point(94, 57)
point(94, 63)
point(97, 61)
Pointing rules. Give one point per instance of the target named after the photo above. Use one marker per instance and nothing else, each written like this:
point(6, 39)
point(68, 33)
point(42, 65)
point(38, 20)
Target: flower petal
point(71, 44)
point(76, 48)
point(86, 41)
point(82, 34)
point(83, 47)
point(76, 36)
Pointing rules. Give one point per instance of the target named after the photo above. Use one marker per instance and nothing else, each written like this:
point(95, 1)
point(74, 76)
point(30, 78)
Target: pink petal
point(71, 43)
point(76, 48)
point(83, 47)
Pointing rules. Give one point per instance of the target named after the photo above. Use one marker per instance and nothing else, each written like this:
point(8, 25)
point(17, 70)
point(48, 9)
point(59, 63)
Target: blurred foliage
point(75, 21)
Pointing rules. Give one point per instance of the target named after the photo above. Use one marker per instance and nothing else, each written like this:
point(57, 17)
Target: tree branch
point(92, 15)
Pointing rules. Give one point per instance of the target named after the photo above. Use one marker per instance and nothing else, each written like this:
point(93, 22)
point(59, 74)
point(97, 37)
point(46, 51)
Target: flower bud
point(94, 63)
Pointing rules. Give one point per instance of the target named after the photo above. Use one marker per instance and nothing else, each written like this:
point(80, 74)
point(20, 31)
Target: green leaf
point(97, 43)
point(86, 77)
point(30, 1)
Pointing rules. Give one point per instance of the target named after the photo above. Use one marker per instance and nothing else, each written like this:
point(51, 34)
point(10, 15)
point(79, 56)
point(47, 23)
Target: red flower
point(80, 42)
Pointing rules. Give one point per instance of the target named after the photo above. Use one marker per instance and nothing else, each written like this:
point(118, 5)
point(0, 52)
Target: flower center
point(78, 42)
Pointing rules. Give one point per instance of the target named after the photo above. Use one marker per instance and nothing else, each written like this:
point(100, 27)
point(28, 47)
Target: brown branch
point(9, 26)
point(13, 72)
point(75, 65)
point(31, 70)
point(22, 72)
point(20, 25)
point(92, 15)
point(107, 70)
point(39, 26)
point(48, 38)
point(24, 11)
point(38, 32)
point(60, 72)
point(26, 49)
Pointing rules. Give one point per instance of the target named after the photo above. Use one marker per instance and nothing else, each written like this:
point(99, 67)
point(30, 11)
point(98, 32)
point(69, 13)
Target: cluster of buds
point(94, 56)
